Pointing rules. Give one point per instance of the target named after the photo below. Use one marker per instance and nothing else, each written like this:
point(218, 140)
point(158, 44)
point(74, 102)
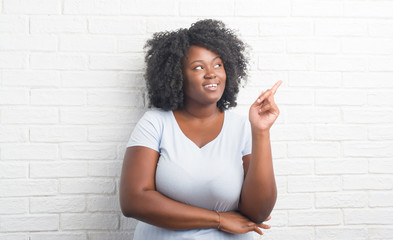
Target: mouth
point(212, 86)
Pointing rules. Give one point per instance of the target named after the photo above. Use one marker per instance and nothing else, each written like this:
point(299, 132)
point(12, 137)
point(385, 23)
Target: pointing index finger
point(275, 86)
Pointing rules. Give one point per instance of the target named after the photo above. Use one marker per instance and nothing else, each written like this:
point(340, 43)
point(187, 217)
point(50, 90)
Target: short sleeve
point(147, 132)
point(248, 140)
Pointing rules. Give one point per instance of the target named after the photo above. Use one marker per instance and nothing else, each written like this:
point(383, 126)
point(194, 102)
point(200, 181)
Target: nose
point(210, 74)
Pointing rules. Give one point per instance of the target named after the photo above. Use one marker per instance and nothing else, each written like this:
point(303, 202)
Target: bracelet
point(219, 220)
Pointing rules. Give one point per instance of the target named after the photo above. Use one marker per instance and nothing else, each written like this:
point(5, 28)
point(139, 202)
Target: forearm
point(259, 191)
point(154, 208)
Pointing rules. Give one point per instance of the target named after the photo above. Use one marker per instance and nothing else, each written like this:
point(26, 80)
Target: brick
point(105, 169)
point(378, 46)
point(368, 80)
point(86, 43)
point(92, 7)
point(279, 218)
point(298, 233)
point(116, 62)
point(78, 186)
point(341, 200)
point(341, 233)
point(109, 134)
point(380, 199)
point(313, 45)
point(57, 97)
point(96, 79)
point(32, 6)
point(119, 25)
point(216, 8)
point(58, 170)
point(380, 132)
point(99, 116)
point(314, 217)
point(380, 98)
point(130, 44)
point(89, 221)
point(313, 149)
point(293, 167)
point(65, 204)
point(286, 27)
point(13, 170)
point(344, 27)
point(380, 233)
point(58, 24)
point(368, 216)
point(244, 27)
point(302, 8)
point(279, 150)
point(281, 183)
point(9, 206)
point(11, 60)
point(88, 151)
point(24, 188)
point(299, 97)
point(312, 115)
point(381, 28)
point(58, 61)
point(103, 204)
point(14, 96)
point(14, 236)
point(367, 115)
point(266, 45)
point(26, 78)
point(367, 149)
point(340, 132)
point(285, 62)
point(58, 236)
point(340, 97)
point(28, 43)
point(291, 132)
point(381, 165)
point(115, 98)
point(340, 63)
point(58, 134)
point(111, 235)
point(29, 151)
point(313, 183)
point(150, 8)
point(341, 166)
point(13, 24)
point(161, 24)
point(29, 223)
point(29, 115)
point(380, 63)
point(314, 79)
point(378, 9)
point(367, 182)
point(10, 133)
point(294, 201)
point(262, 8)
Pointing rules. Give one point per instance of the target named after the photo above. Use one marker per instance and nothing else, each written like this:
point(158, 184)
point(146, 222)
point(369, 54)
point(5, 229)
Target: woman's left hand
point(264, 111)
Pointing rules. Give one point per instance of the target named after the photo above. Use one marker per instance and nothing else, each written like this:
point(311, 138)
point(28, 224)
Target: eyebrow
point(203, 61)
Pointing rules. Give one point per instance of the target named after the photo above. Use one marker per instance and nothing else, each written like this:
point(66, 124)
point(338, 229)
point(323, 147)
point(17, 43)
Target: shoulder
point(156, 115)
point(236, 118)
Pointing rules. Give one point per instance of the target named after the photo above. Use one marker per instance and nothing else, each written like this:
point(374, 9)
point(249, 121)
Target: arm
point(139, 199)
point(259, 190)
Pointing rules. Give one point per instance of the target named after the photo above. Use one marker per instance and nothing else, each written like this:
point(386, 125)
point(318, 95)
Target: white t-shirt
point(210, 177)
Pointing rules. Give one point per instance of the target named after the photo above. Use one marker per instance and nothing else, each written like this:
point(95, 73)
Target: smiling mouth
point(211, 86)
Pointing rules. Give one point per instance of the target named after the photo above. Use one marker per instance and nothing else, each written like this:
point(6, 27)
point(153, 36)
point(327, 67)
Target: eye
point(218, 65)
point(198, 68)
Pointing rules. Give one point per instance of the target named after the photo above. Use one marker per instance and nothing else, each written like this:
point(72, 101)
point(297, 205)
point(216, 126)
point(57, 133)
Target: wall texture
point(71, 90)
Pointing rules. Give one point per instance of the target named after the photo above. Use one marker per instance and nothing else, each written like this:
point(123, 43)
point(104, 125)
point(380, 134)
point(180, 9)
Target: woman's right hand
point(235, 222)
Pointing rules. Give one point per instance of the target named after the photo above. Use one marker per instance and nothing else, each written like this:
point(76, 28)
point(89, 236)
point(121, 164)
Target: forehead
point(200, 53)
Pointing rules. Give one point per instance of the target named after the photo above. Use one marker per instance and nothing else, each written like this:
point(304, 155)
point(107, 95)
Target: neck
point(200, 112)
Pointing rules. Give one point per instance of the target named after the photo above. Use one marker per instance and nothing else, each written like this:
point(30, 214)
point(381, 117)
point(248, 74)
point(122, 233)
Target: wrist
point(260, 132)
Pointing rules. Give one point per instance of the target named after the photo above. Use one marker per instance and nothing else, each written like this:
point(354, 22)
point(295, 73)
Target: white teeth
point(211, 85)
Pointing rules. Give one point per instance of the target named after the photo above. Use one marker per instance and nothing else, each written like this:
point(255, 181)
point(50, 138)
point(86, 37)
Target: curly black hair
point(166, 52)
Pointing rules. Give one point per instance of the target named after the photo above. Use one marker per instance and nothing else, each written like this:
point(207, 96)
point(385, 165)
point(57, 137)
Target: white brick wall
point(71, 91)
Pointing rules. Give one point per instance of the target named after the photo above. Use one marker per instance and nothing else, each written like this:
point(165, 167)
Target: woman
point(192, 169)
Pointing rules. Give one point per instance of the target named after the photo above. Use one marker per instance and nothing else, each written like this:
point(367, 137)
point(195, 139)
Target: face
point(204, 76)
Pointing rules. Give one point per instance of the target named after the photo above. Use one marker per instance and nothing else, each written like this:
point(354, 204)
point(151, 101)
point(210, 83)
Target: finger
point(275, 86)
point(262, 97)
point(264, 226)
point(257, 230)
point(268, 218)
